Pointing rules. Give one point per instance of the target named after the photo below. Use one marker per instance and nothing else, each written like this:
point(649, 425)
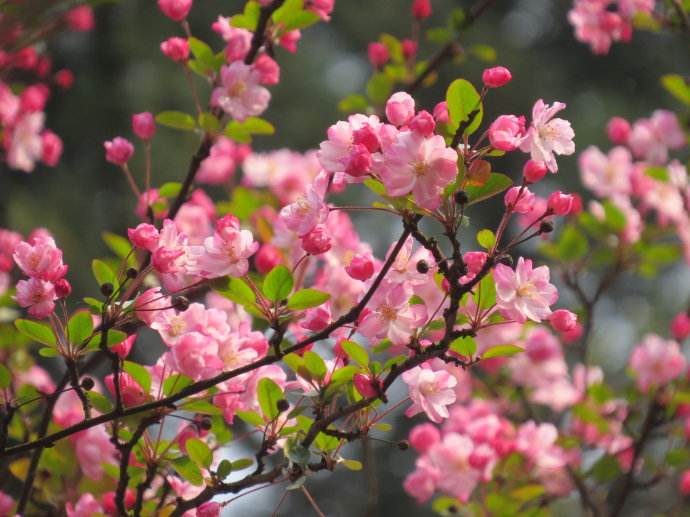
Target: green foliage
point(103, 273)
point(199, 452)
point(79, 327)
point(486, 239)
point(140, 375)
point(355, 352)
point(236, 290)
point(268, 394)
point(176, 120)
point(496, 184)
point(36, 331)
point(502, 351)
point(307, 298)
point(243, 131)
point(677, 86)
point(5, 377)
point(463, 101)
point(278, 284)
point(465, 346)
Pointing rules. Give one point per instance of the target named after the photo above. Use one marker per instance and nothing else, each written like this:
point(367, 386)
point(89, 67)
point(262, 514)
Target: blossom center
point(526, 290)
point(237, 89)
point(420, 168)
point(388, 313)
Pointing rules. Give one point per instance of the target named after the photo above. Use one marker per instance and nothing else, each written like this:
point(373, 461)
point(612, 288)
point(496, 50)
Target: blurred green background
point(120, 70)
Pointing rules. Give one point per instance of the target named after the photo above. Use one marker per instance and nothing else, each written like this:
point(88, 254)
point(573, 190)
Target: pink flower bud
point(109, 505)
point(534, 171)
point(409, 48)
point(144, 125)
point(684, 483)
point(506, 132)
point(560, 203)
point(361, 267)
point(144, 236)
point(359, 163)
point(680, 326)
point(289, 40)
point(378, 54)
point(400, 108)
point(176, 49)
point(424, 436)
point(267, 258)
point(81, 18)
point(268, 68)
point(52, 148)
point(618, 130)
point(118, 150)
point(176, 10)
point(364, 385)
point(63, 288)
point(441, 113)
point(423, 123)
point(26, 58)
point(496, 77)
point(421, 9)
point(34, 97)
point(64, 79)
point(208, 509)
point(124, 347)
point(316, 319)
point(520, 199)
point(474, 260)
point(577, 204)
point(45, 64)
point(317, 241)
point(563, 320)
point(571, 336)
point(480, 457)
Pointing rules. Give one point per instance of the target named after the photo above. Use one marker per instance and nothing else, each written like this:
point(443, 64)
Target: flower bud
point(64, 79)
point(364, 385)
point(424, 436)
point(144, 236)
point(267, 258)
point(506, 132)
point(176, 49)
point(80, 18)
point(496, 77)
point(563, 320)
point(118, 150)
point(176, 10)
point(317, 241)
point(534, 171)
point(144, 125)
point(441, 113)
point(680, 326)
point(421, 9)
point(378, 54)
point(63, 288)
point(34, 98)
point(268, 68)
point(361, 267)
point(560, 203)
point(423, 123)
point(409, 48)
point(400, 109)
point(520, 199)
point(52, 148)
point(618, 130)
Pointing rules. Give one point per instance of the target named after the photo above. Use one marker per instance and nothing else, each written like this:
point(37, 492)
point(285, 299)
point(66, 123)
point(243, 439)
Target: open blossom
point(196, 355)
point(220, 165)
point(86, 506)
point(226, 252)
point(606, 175)
point(41, 259)
point(451, 460)
point(25, 143)
point(37, 295)
point(240, 95)
point(547, 135)
point(524, 293)
point(171, 255)
point(309, 210)
point(422, 166)
point(651, 138)
point(391, 316)
point(94, 448)
point(598, 26)
point(431, 391)
point(347, 143)
point(656, 362)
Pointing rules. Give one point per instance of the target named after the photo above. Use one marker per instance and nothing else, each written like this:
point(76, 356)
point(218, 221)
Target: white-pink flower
point(37, 295)
point(456, 476)
point(524, 293)
point(309, 210)
point(547, 135)
point(240, 95)
point(391, 316)
point(430, 390)
point(227, 252)
point(420, 165)
point(656, 362)
point(26, 144)
point(606, 175)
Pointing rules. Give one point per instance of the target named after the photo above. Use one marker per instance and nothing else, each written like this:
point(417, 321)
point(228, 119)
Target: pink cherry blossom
point(118, 150)
point(25, 143)
point(94, 448)
point(361, 266)
point(309, 210)
point(596, 25)
point(390, 315)
point(422, 166)
point(37, 295)
point(86, 506)
point(317, 241)
point(563, 320)
point(680, 326)
point(344, 138)
point(424, 436)
point(618, 130)
point(606, 175)
point(176, 49)
point(240, 95)
point(507, 132)
point(456, 476)
point(226, 252)
point(144, 236)
point(430, 390)
point(41, 259)
point(656, 362)
point(547, 136)
point(144, 125)
point(524, 293)
point(400, 109)
point(196, 355)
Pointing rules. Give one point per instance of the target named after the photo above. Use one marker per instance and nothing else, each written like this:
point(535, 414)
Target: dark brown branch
point(260, 32)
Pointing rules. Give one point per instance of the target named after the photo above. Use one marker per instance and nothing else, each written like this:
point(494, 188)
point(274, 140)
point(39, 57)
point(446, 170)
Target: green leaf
point(235, 290)
point(80, 327)
point(48, 352)
point(292, 16)
point(5, 377)
point(465, 346)
point(199, 452)
point(176, 120)
point(268, 394)
point(242, 463)
point(117, 244)
point(278, 283)
point(242, 131)
point(115, 337)
point(379, 88)
point(440, 35)
point(394, 47)
point(486, 239)
point(614, 216)
point(249, 18)
point(100, 401)
point(485, 295)
point(678, 457)
point(353, 104)
point(39, 332)
point(352, 464)
point(572, 244)
point(175, 383)
point(208, 122)
point(103, 274)
point(140, 374)
point(483, 53)
point(502, 351)
point(188, 470)
point(251, 417)
point(307, 298)
point(527, 492)
point(463, 100)
point(496, 184)
point(170, 189)
point(355, 352)
point(677, 86)
point(315, 364)
point(224, 469)
point(201, 51)
point(203, 407)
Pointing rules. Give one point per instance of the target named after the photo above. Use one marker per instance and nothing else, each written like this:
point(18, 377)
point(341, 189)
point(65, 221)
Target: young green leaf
point(357, 353)
point(103, 273)
point(140, 375)
point(176, 120)
point(199, 452)
point(315, 364)
point(502, 351)
point(464, 103)
point(486, 238)
point(278, 283)
point(465, 346)
point(307, 298)
point(269, 393)
point(39, 332)
point(5, 377)
point(79, 327)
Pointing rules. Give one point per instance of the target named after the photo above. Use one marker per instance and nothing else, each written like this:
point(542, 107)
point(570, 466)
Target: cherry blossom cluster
point(599, 23)
point(28, 81)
